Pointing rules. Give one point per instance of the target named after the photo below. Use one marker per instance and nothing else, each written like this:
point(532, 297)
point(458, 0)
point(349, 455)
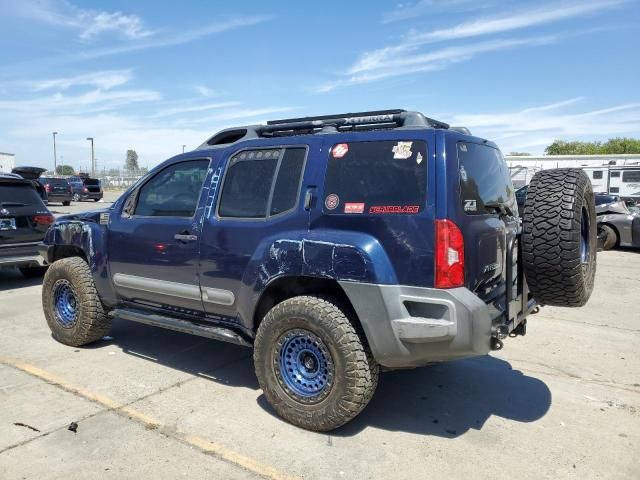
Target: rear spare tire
point(560, 237)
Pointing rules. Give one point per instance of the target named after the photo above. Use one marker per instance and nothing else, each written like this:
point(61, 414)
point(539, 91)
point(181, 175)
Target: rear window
point(18, 194)
point(382, 177)
point(484, 178)
point(53, 181)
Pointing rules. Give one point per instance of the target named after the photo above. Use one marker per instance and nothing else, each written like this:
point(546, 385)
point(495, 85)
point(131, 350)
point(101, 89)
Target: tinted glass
point(173, 192)
point(247, 184)
point(614, 189)
point(631, 176)
point(53, 181)
point(484, 178)
point(597, 174)
point(19, 194)
point(285, 194)
point(615, 174)
point(385, 177)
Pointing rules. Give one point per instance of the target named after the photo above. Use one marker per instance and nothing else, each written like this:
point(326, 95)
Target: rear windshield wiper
point(501, 208)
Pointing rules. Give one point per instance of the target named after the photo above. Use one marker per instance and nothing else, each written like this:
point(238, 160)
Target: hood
point(29, 173)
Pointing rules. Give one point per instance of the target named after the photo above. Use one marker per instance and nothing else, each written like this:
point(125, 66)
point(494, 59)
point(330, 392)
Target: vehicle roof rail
point(342, 122)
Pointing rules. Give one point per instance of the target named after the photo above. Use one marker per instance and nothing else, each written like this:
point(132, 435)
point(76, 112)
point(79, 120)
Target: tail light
point(47, 187)
point(43, 219)
point(85, 189)
point(449, 255)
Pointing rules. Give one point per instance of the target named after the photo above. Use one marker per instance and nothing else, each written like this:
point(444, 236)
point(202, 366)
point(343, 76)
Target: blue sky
point(153, 76)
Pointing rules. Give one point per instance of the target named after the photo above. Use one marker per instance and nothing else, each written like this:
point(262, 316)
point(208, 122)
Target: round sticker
point(332, 201)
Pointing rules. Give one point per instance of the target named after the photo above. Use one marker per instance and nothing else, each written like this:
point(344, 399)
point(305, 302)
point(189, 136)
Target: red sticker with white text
point(381, 209)
point(354, 208)
point(340, 150)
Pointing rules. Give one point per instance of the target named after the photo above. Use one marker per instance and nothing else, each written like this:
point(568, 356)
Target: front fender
point(335, 255)
point(89, 238)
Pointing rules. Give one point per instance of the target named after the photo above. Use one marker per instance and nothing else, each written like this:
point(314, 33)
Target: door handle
point(185, 237)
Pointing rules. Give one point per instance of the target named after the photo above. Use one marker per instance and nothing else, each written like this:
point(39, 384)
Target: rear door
point(488, 219)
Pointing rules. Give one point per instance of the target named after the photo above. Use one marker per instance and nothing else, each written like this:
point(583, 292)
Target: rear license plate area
point(7, 223)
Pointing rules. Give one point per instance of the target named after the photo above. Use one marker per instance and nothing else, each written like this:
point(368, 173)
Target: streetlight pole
point(93, 162)
point(55, 158)
point(183, 146)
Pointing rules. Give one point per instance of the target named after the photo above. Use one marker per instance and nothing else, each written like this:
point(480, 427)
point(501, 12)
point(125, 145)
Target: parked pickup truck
point(332, 246)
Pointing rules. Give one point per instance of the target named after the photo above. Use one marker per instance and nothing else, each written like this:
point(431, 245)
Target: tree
point(65, 170)
point(132, 161)
point(612, 146)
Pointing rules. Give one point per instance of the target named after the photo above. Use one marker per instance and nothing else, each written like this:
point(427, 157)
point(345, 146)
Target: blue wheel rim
point(65, 303)
point(305, 366)
point(584, 237)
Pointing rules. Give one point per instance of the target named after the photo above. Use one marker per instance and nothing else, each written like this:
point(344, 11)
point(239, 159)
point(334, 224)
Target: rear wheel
point(312, 365)
point(71, 304)
point(560, 237)
point(96, 199)
point(66, 203)
point(76, 197)
point(609, 235)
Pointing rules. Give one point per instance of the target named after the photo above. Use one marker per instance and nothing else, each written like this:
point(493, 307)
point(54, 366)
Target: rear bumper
point(25, 255)
point(413, 326)
point(53, 197)
point(90, 195)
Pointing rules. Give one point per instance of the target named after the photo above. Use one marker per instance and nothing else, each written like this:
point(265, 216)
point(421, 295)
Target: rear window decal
point(380, 209)
point(354, 208)
point(419, 158)
point(332, 201)
point(402, 150)
point(470, 205)
point(340, 150)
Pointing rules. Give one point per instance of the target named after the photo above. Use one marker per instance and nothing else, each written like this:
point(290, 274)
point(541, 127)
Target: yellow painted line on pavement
point(203, 444)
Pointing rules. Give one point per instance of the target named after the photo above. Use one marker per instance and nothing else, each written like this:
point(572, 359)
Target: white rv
point(615, 180)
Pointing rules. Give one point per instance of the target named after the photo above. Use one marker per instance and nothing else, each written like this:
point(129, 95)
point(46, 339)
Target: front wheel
point(66, 203)
point(314, 368)
point(71, 303)
point(609, 235)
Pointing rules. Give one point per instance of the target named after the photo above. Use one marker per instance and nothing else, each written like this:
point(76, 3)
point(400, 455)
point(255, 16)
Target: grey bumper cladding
point(413, 326)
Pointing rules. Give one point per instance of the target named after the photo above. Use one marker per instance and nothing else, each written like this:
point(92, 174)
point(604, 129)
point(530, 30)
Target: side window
point(631, 176)
point(615, 174)
point(174, 191)
point(484, 178)
point(597, 174)
point(261, 183)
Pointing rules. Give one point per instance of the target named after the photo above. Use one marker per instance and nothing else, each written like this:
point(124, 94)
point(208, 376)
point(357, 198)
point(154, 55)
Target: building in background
point(613, 174)
point(7, 162)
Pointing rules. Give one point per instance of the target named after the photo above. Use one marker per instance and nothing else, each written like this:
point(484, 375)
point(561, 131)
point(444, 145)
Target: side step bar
point(179, 325)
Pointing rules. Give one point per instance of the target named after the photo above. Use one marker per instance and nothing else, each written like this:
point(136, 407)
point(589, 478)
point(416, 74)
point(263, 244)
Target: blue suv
point(333, 246)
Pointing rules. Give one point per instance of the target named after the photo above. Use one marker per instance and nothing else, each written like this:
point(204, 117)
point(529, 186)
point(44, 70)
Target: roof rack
point(343, 122)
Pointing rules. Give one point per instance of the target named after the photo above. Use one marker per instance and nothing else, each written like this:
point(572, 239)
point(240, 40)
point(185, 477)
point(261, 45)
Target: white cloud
point(173, 39)
point(88, 23)
point(205, 91)
point(385, 62)
point(435, 60)
point(105, 80)
point(424, 7)
point(532, 129)
point(194, 108)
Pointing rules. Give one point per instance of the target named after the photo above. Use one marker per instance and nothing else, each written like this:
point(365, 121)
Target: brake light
point(85, 189)
point(43, 219)
point(449, 255)
point(47, 187)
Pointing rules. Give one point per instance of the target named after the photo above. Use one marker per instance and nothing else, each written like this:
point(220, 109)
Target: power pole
point(55, 158)
point(93, 161)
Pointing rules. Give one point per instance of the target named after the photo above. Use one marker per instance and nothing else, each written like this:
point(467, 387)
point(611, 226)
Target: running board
point(179, 325)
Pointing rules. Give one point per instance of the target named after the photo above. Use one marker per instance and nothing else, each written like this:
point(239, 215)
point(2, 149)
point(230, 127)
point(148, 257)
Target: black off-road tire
point(32, 272)
point(559, 216)
point(66, 203)
point(355, 372)
point(610, 237)
point(92, 321)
